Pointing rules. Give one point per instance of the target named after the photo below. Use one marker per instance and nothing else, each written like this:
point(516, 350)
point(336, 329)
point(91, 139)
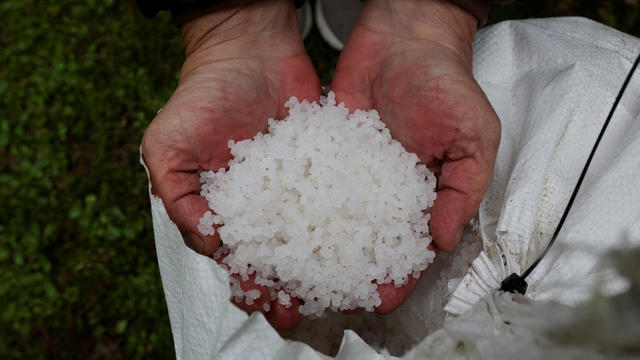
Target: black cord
point(517, 283)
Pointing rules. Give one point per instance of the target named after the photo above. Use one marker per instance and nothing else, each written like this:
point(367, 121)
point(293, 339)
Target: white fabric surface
point(552, 83)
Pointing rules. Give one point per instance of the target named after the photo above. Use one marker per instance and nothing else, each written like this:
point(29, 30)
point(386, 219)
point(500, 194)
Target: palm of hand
point(216, 101)
point(424, 92)
point(430, 102)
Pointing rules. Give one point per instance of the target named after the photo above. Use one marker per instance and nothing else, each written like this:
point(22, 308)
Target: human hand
point(241, 65)
point(411, 61)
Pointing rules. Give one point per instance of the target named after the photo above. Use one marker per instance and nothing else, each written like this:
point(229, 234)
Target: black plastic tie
point(514, 283)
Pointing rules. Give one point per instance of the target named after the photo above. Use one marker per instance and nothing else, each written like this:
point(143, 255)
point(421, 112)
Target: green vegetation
point(79, 82)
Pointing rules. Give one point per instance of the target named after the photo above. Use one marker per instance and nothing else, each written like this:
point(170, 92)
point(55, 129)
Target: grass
point(79, 83)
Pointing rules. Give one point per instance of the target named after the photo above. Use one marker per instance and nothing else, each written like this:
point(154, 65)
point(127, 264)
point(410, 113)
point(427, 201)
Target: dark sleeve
point(478, 8)
point(185, 10)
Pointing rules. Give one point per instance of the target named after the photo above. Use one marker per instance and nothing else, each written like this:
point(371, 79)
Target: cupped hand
point(241, 65)
point(411, 61)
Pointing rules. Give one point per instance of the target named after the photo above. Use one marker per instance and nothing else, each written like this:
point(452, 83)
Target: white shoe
point(305, 19)
point(335, 20)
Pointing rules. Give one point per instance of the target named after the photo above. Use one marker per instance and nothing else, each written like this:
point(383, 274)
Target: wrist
point(433, 20)
point(252, 22)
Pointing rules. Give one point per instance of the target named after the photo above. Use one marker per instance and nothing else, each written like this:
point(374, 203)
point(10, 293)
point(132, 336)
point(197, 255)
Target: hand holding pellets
point(242, 65)
point(325, 206)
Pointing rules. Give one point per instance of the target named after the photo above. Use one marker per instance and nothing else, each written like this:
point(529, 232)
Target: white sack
point(552, 83)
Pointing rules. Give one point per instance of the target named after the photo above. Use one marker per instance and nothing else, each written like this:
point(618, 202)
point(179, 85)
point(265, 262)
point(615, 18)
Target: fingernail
point(193, 241)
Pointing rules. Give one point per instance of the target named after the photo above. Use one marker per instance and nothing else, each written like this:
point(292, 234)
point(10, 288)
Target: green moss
point(79, 82)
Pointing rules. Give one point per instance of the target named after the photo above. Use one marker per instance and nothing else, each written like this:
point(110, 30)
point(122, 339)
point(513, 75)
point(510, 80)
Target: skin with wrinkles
point(411, 60)
point(242, 64)
point(240, 68)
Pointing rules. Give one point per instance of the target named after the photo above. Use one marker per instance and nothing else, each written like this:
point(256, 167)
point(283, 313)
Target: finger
point(186, 213)
point(351, 311)
point(175, 180)
point(256, 304)
point(461, 186)
point(393, 296)
point(284, 318)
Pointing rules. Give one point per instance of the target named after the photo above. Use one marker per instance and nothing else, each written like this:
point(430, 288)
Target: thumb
point(461, 186)
point(175, 180)
point(186, 212)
